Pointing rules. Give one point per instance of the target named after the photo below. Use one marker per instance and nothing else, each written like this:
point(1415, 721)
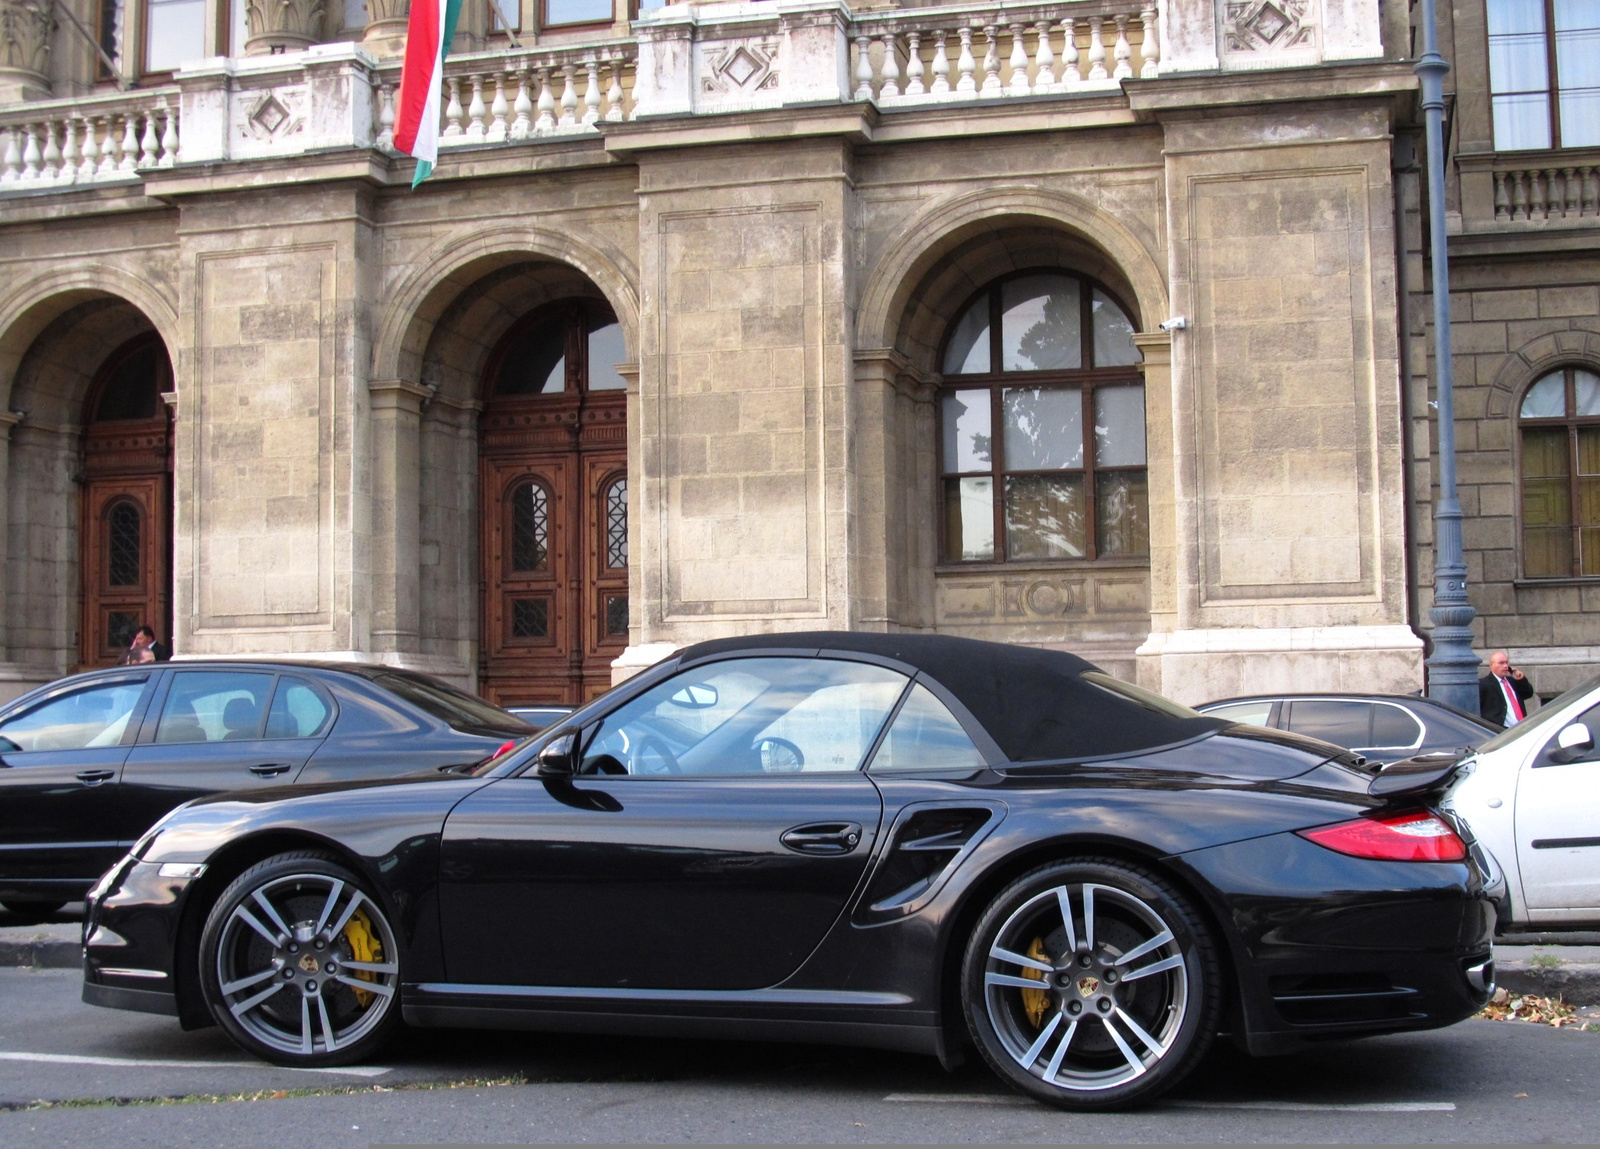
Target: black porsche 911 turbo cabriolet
point(910, 842)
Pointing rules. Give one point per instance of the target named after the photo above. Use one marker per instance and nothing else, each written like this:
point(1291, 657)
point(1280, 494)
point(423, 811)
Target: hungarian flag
point(416, 124)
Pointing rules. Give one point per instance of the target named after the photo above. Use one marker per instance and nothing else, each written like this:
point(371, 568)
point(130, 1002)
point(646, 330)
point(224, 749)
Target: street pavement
point(1479, 1081)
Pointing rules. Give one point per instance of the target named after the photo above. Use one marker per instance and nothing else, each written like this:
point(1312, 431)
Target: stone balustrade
point(91, 140)
point(493, 97)
point(1566, 191)
point(988, 51)
point(693, 59)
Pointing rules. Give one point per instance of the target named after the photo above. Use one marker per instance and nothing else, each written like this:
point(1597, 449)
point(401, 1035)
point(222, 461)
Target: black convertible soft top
point(1036, 704)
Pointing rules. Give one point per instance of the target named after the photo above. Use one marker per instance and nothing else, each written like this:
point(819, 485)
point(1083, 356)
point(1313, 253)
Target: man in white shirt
point(1504, 692)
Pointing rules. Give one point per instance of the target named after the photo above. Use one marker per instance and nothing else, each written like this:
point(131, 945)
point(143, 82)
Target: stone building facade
point(1523, 210)
point(667, 347)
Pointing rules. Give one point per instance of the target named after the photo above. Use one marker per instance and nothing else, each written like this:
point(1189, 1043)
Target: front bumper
point(130, 935)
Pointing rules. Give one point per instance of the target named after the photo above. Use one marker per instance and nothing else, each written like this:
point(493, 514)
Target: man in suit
point(1504, 692)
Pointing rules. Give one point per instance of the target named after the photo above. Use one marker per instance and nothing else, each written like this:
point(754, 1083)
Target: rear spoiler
point(1417, 777)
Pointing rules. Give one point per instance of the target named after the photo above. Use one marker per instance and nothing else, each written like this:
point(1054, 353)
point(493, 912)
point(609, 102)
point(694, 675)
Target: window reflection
point(175, 33)
point(1041, 324)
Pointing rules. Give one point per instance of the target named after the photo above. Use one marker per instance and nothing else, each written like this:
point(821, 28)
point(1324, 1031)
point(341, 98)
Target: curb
point(45, 954)
point(1577, 984)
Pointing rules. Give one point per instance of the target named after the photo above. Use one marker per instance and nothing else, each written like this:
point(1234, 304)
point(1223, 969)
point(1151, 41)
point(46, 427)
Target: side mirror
point(556, 760)
point(1573, 741)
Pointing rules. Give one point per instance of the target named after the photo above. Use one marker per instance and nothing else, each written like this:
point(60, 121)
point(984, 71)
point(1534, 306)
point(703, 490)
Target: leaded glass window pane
point(617, 525)
point(1041, 324)
point(1546, 399)
point(616, 615)
point(969, 519)
point(967, 431)
point(530, 528)
point(1043, 428)
point(1113, 334)
point(1119, 426)
point(967, 353)
point(123, 544)
point(121, 626)
point(1546, 503)
point(530, 618)
point(1045, 517)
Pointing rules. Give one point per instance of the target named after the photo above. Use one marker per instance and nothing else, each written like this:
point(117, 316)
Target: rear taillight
point(1414, 837)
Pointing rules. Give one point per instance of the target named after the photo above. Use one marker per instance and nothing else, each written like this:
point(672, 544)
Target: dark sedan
point(911, 842)
point(88, 763)
point(1381, 727)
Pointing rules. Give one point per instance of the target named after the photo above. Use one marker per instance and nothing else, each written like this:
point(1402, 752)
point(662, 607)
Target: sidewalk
point(54, 945)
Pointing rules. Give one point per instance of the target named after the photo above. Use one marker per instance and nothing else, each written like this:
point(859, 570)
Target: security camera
point(1176, 323)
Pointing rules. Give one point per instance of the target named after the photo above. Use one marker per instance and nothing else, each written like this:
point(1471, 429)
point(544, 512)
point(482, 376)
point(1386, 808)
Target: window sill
point(1570, 580)
point(1141, 563)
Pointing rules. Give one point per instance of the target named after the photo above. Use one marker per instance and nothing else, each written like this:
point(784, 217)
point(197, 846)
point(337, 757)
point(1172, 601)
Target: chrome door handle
point(823, 838)
point(95, 777)
point(270, 769)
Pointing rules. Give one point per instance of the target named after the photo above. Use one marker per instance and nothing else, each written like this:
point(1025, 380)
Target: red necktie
point(1512, 700)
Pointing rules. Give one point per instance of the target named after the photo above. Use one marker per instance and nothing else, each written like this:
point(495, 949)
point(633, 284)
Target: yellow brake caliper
point(363, 947)
point(1036, 1001)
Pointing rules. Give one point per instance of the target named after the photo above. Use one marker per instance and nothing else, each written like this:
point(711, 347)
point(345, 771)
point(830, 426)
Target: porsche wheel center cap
point(308, 964)
point(1088, 986)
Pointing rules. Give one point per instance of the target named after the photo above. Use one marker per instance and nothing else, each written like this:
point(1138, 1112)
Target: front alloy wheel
point(298, 963)
point(1091, 985)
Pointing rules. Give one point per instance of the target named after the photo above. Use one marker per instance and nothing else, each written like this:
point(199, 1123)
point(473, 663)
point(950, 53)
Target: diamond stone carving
point(1269, 25)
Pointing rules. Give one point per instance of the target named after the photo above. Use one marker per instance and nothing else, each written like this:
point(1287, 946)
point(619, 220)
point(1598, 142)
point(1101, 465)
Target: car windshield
point(450, 705)
point(1546, 715)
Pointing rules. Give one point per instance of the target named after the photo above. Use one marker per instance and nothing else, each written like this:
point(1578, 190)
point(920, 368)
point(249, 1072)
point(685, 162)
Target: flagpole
point(1453, 667)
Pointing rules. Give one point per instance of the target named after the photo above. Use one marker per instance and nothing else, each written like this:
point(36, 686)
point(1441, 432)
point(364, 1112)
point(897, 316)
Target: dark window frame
point(576, 311)
point(1087, 380)
point(1571, 423)
point(1551, 91)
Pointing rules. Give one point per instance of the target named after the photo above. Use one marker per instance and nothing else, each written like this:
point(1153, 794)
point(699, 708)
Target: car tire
point(287, 957)
point(31, 910)
point(1128, 994)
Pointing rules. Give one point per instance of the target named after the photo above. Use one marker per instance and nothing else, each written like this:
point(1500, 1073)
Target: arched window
point(569, 348)
point(1560, 429)
point(1042, 444)
point(530, 528)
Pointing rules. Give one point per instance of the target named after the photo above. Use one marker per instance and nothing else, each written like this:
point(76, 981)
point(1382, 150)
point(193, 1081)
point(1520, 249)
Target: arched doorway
point(126, 537)
point(554, 507)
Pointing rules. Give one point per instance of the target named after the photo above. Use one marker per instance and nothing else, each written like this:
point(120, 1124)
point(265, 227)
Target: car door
point(217, 730)
point(1557, 823)
point(715, 830)
point(60, 763)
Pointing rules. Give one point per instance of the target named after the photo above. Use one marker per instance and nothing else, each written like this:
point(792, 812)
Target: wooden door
point(556, 578)
point(125, 564)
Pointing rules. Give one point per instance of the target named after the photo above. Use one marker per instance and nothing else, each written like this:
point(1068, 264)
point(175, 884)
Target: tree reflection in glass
point(1041, 324)
point(1045, 517)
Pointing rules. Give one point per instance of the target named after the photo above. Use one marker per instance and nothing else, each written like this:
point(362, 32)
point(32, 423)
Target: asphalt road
point(1462, 1084)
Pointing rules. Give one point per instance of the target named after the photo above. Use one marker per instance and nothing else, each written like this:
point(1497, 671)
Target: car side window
point(214, 706)
point(1552, 755)
point(82, 720)
point(926, 736)
point(1344, 723)
point(749, 716)
point(1248, 713)
point(298, 711)
point(1394, 727)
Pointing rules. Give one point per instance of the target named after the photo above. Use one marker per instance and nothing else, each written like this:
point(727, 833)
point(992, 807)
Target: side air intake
point(926, 843)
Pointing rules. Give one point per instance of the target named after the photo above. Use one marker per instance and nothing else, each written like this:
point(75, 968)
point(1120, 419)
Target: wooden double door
point(555, 561)
point(125, 554)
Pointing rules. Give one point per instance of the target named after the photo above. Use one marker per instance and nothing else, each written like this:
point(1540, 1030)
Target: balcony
point(1521, 192)
point(681, 60)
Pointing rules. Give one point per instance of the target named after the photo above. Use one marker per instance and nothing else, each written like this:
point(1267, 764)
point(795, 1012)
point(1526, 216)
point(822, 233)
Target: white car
point(1531, 797)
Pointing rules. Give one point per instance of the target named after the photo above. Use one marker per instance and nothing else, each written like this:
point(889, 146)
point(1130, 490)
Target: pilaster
point(396, 416)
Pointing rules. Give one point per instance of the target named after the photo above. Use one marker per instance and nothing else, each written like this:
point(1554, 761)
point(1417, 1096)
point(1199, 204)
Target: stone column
point(386, 27)
point(1161, 443)
point(396, 407)
point(8, 420)
point(26, 27)
point(277, 26)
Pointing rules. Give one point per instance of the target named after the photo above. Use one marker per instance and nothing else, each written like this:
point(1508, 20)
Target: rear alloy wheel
point(298, 963)
point(1091, 985)
point(32, 911)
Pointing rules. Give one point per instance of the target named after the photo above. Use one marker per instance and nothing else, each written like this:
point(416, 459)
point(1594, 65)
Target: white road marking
point(153, 1063)
point(1322, 1106)
point(1275, 1106)
point(962, 1098)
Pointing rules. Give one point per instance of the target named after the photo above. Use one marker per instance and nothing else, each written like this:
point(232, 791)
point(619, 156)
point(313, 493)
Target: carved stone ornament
point(25, 30)
point(1270, 26)
point(282, 25)
point(386, 26)
point(741, 68)
point(271, 117)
